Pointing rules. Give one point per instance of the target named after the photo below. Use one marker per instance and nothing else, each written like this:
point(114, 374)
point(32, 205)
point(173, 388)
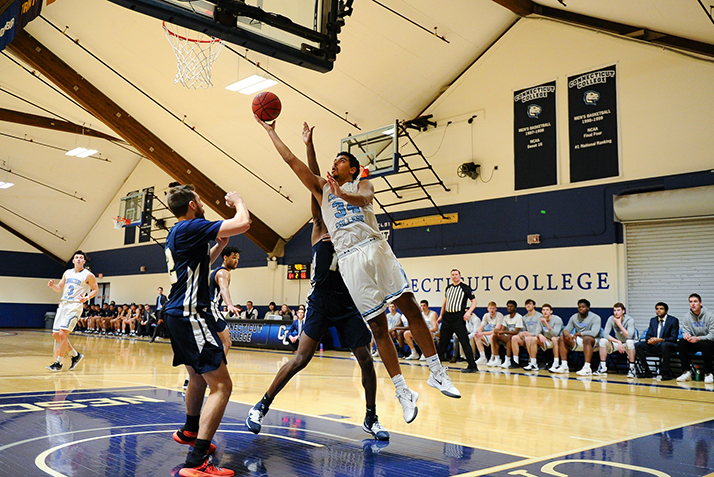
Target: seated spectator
point(146, 319)
point(623, 341)
point(512, 325)
point(431, 319)
point(397, 325)
point(491, 320)
point(660, 339)
point(285, 313)
point(528, 336)
point(551, 328)
point(698, 335)
point(582, 333)
point(272, 311)
point(295, 329)
point(124, 315)
point(250, 313)
point(472, 326)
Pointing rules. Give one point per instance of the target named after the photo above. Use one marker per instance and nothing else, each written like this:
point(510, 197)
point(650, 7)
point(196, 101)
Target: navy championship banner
point(29, 10)
point(8, 24)
point(534, 136)
point(592, 110)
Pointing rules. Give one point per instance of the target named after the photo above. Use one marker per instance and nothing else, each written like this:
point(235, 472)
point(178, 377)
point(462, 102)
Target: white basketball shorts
point(373, 276)
point(67, 315)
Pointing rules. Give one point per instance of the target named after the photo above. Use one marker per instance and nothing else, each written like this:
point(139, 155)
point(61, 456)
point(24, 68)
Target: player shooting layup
point(368, 266)
point(328, 304)
point(78, 286)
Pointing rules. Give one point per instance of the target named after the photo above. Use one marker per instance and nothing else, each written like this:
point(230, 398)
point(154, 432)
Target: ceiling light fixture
point(251, 84)
point(6, 185)
point(81, 152)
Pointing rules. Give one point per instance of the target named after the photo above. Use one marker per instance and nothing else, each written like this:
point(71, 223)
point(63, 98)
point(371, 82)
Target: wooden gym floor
point(114, 414)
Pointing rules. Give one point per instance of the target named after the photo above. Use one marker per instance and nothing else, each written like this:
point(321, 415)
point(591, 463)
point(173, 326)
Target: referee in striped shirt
point(453, 318)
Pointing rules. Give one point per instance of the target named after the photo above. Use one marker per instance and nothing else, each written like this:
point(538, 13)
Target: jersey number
point(170, 264)
point(341, 212)
point(70, 291)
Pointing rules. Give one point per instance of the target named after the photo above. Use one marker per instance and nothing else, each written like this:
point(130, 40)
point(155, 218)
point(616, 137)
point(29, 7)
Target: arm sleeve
point(608, 327)
point(630, 329)
point(710, 328)
point(201, 231)
point(570, 327)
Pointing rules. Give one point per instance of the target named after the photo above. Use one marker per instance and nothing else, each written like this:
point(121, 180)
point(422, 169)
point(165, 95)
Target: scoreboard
point(298, 271)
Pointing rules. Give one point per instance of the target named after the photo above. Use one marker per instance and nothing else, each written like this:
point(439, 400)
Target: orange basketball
point(266, 106)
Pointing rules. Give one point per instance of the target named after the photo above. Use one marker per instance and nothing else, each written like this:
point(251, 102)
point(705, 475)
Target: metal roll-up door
point(667, 261)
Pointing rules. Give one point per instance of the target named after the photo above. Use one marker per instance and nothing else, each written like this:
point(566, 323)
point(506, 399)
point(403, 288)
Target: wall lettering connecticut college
point(535, 282)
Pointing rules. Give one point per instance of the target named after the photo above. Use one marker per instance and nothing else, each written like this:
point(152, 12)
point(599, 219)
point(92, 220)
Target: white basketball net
point(194, 56)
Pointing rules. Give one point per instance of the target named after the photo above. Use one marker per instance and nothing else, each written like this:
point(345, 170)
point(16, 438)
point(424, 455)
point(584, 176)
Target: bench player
point(368, 266)
point(78, 286)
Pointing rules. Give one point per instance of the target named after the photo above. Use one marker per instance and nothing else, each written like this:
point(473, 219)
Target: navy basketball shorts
point(195, 341)
point(325, 310)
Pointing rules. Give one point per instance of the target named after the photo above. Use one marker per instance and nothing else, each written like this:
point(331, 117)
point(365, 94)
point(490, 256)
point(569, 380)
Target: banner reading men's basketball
point(592, 108)
point(534, 136)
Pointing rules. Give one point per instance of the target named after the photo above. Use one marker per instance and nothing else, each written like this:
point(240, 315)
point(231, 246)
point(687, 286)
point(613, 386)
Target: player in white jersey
point(78, 286)
point(368, 266)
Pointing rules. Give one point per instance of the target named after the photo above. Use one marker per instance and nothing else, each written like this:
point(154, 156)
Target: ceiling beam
point(650, 36)
point(35, 245)
point(527, 8)
point(519, 7)
point(28, 119)
point(35, 54)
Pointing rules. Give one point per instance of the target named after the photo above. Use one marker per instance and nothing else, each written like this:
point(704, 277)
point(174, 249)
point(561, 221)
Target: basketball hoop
point(194, 56)
point(120, 222)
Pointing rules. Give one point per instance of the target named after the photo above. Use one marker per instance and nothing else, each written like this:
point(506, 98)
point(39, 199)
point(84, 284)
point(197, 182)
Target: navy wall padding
point(22, 315)
point(128, 260)
point(299, 248)
point(29, 265)
point(563, 218)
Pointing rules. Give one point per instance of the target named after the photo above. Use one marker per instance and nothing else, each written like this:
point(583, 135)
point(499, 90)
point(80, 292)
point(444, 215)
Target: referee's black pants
point(450, 324)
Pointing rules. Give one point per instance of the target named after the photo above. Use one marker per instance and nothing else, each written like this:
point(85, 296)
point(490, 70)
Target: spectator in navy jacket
point(660, 339)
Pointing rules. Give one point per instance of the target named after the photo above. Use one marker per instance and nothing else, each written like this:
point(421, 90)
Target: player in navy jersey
point(328, 304)
point(219, 282)
point(194, 332)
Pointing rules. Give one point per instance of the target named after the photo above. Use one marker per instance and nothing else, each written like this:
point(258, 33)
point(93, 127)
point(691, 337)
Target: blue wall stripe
point(29, 265)
point(563, 218)
point(24, 315)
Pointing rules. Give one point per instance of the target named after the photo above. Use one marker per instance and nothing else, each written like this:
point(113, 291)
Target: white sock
point(508, 360)
point(556, 362)
point(73, 353)
point(399, 382)
point(433, 362)
point(515, 359)
point(586, 366)
point(632, 365)
point(534, 362)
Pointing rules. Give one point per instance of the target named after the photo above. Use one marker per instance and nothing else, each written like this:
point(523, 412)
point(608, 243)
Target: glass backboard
point(377, 150)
